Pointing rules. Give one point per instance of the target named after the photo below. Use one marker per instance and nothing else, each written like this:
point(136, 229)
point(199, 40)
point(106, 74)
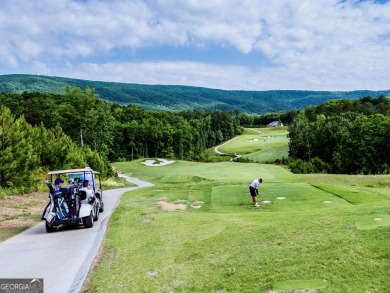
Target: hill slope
point(172, 97)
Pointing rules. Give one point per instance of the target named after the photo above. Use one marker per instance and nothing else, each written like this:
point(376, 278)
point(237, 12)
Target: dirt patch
point(170, 207)
point(178, 205)
point(20, 211)
point(152, 274)
point(181, 200)
point(195, 207)
point(197, 204)
point(295, 291)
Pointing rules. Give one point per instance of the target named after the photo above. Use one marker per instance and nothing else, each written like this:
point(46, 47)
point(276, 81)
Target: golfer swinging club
point(254, 190)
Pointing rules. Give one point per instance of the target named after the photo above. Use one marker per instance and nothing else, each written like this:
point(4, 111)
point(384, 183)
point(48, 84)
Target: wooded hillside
point(176, 98)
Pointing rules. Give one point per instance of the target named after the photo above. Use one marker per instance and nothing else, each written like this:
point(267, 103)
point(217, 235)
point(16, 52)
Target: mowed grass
point(261, 145)
point(316, 233)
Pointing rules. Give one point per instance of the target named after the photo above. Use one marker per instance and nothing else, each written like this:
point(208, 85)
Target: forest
point(28, 151)
point(75, 129)
point(343, 136)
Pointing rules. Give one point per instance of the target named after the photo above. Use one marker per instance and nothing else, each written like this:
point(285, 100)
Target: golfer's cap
point(58, 181)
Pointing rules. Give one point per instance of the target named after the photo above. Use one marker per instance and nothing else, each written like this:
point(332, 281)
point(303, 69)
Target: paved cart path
point(62, 258)
point(234, 156)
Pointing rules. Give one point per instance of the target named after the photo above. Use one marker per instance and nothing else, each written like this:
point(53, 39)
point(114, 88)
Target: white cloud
point(229, 77)
point(329, 44)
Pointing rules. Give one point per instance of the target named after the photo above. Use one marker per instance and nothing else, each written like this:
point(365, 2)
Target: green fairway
point(260, 145)
point(196, 231)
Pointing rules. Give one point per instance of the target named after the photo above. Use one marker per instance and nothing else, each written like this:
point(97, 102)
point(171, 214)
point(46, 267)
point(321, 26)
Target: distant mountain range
point(174, 97)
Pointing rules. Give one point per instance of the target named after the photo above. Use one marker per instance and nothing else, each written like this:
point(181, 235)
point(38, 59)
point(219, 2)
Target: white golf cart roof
point(70, 171)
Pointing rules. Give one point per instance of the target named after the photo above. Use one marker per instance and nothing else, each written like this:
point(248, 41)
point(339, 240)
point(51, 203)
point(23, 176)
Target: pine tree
point(18, 157)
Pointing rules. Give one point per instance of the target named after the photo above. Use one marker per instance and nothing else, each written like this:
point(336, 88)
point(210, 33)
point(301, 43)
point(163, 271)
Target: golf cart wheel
point(101, 207)
point(96, 218)
point(50, 229)
point(88, 221)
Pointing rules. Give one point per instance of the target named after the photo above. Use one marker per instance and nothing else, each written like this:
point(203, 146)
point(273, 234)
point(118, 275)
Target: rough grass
point(321, 237)
point(7, 232)
point(115, 182)
point(19, 212)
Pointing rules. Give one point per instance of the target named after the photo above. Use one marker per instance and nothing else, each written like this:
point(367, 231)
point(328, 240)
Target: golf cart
point(80, 201)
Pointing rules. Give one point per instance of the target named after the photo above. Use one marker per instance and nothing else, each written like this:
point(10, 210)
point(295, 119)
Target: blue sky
point(226, 44)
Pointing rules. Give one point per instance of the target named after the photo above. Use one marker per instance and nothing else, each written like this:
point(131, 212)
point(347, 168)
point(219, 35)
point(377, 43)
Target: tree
point(18, 158)
point(300, 138)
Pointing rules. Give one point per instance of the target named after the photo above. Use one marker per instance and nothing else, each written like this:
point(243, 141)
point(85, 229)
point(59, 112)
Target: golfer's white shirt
point(89, 194)
point(255, 184)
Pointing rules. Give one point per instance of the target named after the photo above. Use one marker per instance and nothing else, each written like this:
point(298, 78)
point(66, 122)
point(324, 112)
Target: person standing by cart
point(254, 190)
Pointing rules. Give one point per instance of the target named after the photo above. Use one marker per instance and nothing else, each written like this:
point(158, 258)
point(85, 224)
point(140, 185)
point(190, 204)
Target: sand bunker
point(170, 207)
point(281, 197)
point(377, 219)
point(157, 163)
point(327, 201)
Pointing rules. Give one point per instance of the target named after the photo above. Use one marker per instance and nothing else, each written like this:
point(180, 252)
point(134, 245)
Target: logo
point(21, 285)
